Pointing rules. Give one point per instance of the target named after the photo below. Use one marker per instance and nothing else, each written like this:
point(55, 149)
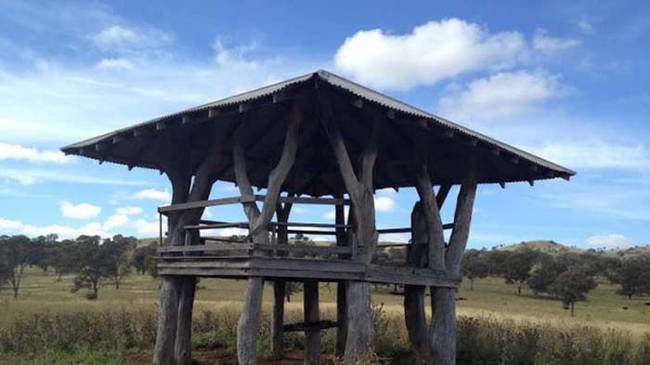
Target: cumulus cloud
point(66, 232)
point(542, 41)
point(10, 151)
point(585, 26)
point(384, 204)
point(29, 176)
point(153, 194)
point(595, 154)
point(79, 211)
point(130, 210)
point(108, 63)
point(432, 52)
point(499, 96)
point(609, 241)
point(123, 39)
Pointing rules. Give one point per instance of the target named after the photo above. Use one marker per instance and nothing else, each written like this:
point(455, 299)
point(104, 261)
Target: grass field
point(491, 296)
point(50, 325)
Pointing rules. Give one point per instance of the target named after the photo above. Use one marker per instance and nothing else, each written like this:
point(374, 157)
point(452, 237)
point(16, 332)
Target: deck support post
point(341, 310)
point(359, 187)
point(249, 320)
point(311, 314)
point(279, 287)
point(277, 319)
point(443, 300)
point(163, 353)
point(174, 333)
point(414, 315)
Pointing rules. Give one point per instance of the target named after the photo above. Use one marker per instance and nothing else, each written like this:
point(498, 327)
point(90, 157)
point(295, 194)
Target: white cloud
point(9, 225)
point(31, 176)
point(129, 210)
point(384, 204)
point(115, 221)
point(65, 232)
point(545, 43)
point(499, 96)
point(331, 215)
point(108, 63)
point(124, 39)
point(137, 86)
point(609, 241)
point(431, 52)
point(17, 152)
point(595, 154)
point(585, 26)
point(153, 194)
point(79, 211)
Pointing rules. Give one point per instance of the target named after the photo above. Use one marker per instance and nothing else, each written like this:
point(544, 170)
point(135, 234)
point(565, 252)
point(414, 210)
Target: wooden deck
point(243, 266)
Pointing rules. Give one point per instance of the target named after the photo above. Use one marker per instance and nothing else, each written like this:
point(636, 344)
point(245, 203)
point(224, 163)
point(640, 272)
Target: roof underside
point(450, 147)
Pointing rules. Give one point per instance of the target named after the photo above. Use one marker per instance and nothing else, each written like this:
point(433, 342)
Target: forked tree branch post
point(174, 335)
point(258, 221)
point(443, 300)
point(279, 286)
point(360, 189)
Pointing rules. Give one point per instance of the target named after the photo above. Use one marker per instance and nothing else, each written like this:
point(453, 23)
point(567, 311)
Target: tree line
point(567, 276)
point(94, 262)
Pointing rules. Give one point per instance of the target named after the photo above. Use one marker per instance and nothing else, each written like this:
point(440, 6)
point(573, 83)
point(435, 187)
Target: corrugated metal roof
point(349, 86)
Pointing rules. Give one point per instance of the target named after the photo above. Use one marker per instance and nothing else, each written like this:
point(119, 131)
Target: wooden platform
point(299, 269)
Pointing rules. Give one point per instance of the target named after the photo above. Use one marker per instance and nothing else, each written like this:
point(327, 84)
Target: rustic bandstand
point(314, 139)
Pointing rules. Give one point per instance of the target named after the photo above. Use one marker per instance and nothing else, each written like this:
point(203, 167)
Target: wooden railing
point(214, 247)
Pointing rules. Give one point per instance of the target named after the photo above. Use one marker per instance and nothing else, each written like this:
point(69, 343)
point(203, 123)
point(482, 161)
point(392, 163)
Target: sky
point(565, 80)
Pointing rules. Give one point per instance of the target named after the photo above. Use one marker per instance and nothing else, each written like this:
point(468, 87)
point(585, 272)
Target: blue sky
point(567, 81)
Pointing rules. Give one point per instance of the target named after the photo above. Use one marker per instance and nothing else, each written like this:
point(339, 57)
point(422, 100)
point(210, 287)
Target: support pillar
point(360, 327)
point(277, 319)
point(249, 321)
point(312, 315)
point(167, 321)
point(443, 325)
point(183, 346)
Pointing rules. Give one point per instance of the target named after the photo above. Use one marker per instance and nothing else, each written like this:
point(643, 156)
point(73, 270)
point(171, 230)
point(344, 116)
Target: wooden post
point(360, 189)
point(173, 338)
point(277, 319)
point(443, 300)
point(183, 345)
point(279, 287)
point(311, 314)
point(414, 315)
point(252, 307)
point(170, 286)
point(341, 310)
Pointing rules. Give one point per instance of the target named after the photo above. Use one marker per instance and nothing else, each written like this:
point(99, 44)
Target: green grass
point(50, 325)
point(41, 293)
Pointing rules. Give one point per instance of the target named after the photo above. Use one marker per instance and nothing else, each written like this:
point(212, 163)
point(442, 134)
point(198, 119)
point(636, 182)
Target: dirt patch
point(223, 357)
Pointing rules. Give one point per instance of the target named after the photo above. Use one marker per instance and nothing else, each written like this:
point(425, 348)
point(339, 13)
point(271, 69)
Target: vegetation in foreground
point(112, 337)
point(508, 307)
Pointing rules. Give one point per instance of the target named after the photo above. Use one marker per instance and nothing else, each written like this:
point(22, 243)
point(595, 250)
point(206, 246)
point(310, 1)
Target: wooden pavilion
point(314, 139)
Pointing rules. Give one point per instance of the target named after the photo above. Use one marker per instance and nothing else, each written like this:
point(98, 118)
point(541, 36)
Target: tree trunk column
point(311, 314)
point(443, 325)
point(167, 321)
point(183, 346)
point(360, 329)
point(277, 319)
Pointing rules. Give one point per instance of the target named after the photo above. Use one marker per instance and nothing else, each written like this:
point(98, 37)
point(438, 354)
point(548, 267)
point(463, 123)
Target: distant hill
point(552, 247)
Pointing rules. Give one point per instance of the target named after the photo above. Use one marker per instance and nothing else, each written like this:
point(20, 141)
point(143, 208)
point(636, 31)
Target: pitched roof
point(271, 97)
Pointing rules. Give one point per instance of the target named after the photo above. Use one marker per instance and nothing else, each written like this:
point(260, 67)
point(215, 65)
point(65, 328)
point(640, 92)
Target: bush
point(90, 336)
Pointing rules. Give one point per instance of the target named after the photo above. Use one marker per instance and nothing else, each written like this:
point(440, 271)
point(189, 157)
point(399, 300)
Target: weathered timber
point(277, 319)
point(443, 300)
point(249, 319)
point(311, 314)
point(414, 315)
